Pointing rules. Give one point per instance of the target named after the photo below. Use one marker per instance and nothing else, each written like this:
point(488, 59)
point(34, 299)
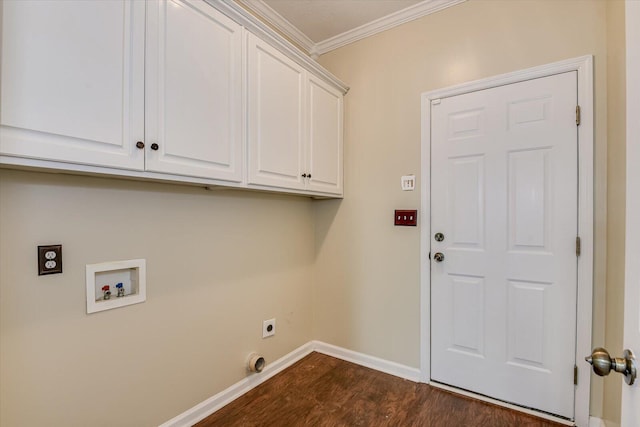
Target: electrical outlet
point(49, 259)
point(268, 328)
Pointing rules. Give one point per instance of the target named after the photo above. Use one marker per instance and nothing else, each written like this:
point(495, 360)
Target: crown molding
point(282, 25)
point(279, 22)
point(400, 17)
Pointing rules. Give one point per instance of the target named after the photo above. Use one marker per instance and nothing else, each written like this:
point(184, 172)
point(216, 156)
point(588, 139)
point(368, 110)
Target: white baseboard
point(378, 364)
point(597, 422)
point(211, 405)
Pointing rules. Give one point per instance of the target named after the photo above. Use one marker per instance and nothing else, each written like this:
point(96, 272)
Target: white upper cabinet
point(194, 91)
point(325, 137)
point(276, 127)
point(73, 81)
point(294, 124)
point(180, 90)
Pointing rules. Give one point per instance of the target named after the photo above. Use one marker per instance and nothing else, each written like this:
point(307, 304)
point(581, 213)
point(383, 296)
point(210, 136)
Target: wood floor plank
point(323, 391)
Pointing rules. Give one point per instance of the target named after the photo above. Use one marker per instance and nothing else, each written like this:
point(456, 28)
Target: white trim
point(629, 409)
point(597, 422)
point(379, 25)
point(502, 404)
point(280, 23)
point(400, 17)
point(226, 396)
point(584, 67)
point(425, 239)
point(388, 367)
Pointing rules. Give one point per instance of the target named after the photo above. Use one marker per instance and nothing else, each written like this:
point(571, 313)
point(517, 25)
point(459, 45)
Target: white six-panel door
point(504, 195)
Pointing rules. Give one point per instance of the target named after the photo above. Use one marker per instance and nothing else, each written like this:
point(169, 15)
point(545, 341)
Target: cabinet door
point(324, 152)
point(73, 81)
point(194, 91)
point(276, 120)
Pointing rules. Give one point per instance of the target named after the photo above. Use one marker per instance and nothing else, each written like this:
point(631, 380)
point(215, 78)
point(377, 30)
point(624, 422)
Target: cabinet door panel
point(325, 138)
point(72, 81)
point(276, 124)
point(194, 91)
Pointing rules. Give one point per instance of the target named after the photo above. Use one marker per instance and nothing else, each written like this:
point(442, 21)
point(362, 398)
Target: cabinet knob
point(308, 175)
point(304, 175)
point(155, 146)
point(140, 144)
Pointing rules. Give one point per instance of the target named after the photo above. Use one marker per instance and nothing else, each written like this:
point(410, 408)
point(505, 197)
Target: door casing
point(584, 67)
point(630, 412)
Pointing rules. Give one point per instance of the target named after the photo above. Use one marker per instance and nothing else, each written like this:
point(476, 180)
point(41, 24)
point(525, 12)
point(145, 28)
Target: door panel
point(528, 194)
point(466, 190)
point(467, 324)
point(525, 324)
point(504, 193)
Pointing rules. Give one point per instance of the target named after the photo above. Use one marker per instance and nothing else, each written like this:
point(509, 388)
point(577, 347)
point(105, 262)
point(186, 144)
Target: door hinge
point(577, 115)
point(575, 374)
point(578, 246)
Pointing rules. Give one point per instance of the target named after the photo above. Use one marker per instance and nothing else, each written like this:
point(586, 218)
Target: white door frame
point(630, 413)
point(584, 67)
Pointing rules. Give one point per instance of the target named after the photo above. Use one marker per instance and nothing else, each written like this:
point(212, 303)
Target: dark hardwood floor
point(320, 390)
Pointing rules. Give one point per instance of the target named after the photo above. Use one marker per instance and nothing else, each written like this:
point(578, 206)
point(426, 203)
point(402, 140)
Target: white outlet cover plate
point(265, 326)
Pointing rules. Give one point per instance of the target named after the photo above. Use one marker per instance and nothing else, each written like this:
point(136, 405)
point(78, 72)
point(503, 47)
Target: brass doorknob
point(439, 257)
point(603, 364)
